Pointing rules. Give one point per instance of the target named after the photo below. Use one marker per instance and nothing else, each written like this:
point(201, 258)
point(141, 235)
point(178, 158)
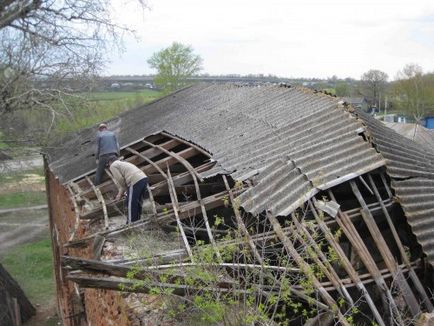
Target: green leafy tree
point(174, 66)
point(344, 88)
point(414, 91)
point(373, 85)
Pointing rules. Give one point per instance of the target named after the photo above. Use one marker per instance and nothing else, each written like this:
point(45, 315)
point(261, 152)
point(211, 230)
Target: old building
point(280, 199)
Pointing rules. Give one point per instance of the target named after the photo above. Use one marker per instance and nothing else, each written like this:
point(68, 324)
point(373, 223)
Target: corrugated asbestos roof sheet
point(412, 171)
point(248, 129)
point(417, 133)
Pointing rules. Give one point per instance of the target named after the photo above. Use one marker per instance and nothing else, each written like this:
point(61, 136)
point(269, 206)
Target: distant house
point(357, 102)
point(395, 118)
point(428, 122)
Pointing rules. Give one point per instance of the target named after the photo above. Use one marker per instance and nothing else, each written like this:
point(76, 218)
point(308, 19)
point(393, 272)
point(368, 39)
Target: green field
point(20, 176)
point(92, 108)
point(146, 94)
point(70, 114)
point(22, 188)
point(22, 199)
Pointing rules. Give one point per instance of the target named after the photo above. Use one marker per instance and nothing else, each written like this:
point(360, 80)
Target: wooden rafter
point(385, 252)
point(305, 268)
point(195, 176)
point(415, 279)
point(346, 264)
point(365, 256)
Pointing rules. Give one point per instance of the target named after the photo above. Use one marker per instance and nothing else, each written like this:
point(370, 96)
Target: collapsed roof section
point(286, 156)
point(264, 130)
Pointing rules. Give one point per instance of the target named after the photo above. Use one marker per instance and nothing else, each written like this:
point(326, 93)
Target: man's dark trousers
point(136, 193)
point(102, 163)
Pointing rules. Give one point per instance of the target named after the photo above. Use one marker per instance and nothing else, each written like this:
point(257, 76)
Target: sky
point(292, 38)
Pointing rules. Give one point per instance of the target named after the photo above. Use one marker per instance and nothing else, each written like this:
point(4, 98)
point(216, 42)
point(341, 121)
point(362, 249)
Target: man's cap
point(102, 125)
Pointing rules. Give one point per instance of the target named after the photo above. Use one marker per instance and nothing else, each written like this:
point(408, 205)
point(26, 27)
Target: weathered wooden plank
point(187, 210)
point(150, 153)
point(415, 279)
point(100, 200)
point(127, 285)
point(321, 260)
point(200, 149)
point(148, 169)
point(364, 254)
point(386, 253)
point(175, 204)
point(98, 244)
point(240, 223)
point(346, 264)
point(286, 242)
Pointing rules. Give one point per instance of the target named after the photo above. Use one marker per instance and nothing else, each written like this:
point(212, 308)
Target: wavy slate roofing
point(244, 128)
point(289, 141)
point(417, 133)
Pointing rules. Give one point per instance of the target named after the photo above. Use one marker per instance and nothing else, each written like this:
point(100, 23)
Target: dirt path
point(22, 225)
point(20, 165)
point(18, 209)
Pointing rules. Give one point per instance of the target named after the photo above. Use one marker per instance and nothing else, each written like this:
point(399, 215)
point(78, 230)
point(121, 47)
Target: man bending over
point(129, 177)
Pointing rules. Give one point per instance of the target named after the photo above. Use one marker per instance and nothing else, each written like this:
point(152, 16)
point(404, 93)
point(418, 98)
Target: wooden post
point(17, 312)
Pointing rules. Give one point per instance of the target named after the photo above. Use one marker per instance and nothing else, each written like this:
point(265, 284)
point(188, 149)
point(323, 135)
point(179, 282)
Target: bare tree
point(373, 84)
point(47, 46)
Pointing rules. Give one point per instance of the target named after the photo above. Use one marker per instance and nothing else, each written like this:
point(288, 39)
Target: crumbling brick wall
point(94, 306)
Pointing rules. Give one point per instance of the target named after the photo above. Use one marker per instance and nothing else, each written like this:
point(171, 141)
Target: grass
point(22, 188)
point(31, 266)
point(120, 95)
point(18, 176)
point(22, 199)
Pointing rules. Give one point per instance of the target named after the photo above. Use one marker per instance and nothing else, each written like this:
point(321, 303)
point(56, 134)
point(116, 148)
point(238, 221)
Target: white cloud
point(312, 38)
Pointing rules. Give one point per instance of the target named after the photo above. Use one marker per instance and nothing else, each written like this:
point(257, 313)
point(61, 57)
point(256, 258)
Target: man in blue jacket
point(107, 146)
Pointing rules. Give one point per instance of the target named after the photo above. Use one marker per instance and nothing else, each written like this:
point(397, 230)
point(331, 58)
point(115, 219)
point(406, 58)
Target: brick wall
point(75, 306)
